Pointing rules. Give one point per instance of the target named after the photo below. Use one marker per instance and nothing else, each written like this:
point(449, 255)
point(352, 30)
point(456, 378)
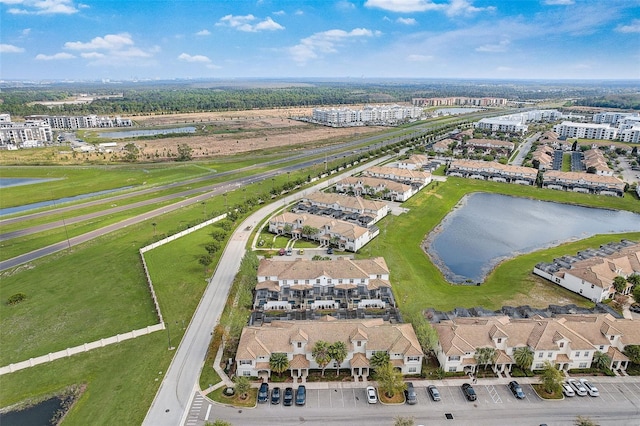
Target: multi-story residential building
point(344, 203)
point(323, 284)
point(416, 178)
point(569, 129)
point(567, 341)
point(362, 338)
point(81, 122)
point(414, 162)
point(27, 134)
point(514, 123)
point(594, 158)
point(491, 145)
point(459, 101)
point(327, 231)
point(631, 134)
point(377, 188)
point(491, 170)
point(583, 182)
point(591, 273)
point(379, 114)
point(612, 118)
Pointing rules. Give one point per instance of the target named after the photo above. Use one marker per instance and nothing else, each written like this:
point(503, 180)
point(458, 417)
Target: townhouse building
point(566, 341)
point(417, 178)
point(325, 230)
point(544, 157)
point(414, 162)
point(583, 182)
point(594, 159)
point(444, 145)
point(376, 210)
point(491, 170)
point(296, 339)
point(488, 146)
point(591, 273)
point(378, 188)
point(323, 284)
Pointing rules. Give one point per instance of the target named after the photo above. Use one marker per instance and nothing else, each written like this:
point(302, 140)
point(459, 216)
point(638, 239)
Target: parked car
point(330, 250)
point(469, 392)
point(301, 395)
point(287, 400)
point(591, 389)
point(434, 393)
point(578, 387)
point(289, 252)
point(275, 395)
point(635, 308)
point(410, 394)
point(372, 397)
point(516, 389)
point(263, 393)
point(281, 252)
point(567, 390)
point(301, 251)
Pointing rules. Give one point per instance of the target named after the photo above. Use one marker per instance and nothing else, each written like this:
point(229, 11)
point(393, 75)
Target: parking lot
point(452, 397)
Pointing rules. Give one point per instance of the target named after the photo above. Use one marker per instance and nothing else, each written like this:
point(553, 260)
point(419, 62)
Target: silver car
point(591, 389)
point(578, 387)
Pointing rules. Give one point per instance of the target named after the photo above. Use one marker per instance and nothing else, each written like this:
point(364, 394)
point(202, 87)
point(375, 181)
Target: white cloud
point(298, 12)
point(404, 5)
point(326, 42)
point(41, 7)
point(26, 32)
point(419, 58)
point(559, 2)
point(464, 7)
point(92, 55)
point(194, 58)
point(108, 42)
point(345, 5)
point(504, 69)
point(633, 27)
point(55, 57)
point(203, 33)
point(246, 23)
point(406, 21)
point(10, 48)
point(494, 48)
point(279, 13)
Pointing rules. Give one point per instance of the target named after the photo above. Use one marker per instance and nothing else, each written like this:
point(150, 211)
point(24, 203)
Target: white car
point(372, 397)
point(567, 390)
point(578, 387)
point(591, 389)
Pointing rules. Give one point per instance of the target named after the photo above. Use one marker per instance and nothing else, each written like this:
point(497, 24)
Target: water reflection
point(487, 228)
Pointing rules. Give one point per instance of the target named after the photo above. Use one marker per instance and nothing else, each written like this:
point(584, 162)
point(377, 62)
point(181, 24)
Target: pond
point(485, 229)
point(6, 182)
point(37, 415)
point(138, 133)
point(456, 111)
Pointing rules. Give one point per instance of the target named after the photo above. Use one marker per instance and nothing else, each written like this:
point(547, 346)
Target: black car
point(516, 389)
point(263, 393)
point(330, 250)
point(469, 393)
point(301, 395)
point(410, 394)
point(287, 400)
point(635, 308)
point(275, 396)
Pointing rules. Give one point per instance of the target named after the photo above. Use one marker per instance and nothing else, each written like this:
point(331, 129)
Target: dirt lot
point(226, 133)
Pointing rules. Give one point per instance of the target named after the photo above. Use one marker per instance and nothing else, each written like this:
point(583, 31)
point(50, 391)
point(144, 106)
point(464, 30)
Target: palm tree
point(390, 380)
point(320, 353)
point(601, 360)
point(485, 356)
point(379, 359)
point(551, 378)
point(338, 351)
point(242, 386)
point(278, 362)
point(523, 356)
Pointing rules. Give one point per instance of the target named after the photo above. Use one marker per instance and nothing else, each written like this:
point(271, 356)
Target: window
point(561, 344)
point(454, 358)
point(359, 343)
point(549, 355)
point(611, 337)
point(295, 281)
point(577, 354)
point(499, 339)
point(452, 369)
point(362, 281)
point(413, 359)
point(541, 354)
point(592, 285)
point(413, 370)
point(246, 373)
point(299, 344)
point(602, 347)
point(586, 354)
point(317, 280)
point(538, 366)
point(245, 362)
point(582, 365)
point(330, 281)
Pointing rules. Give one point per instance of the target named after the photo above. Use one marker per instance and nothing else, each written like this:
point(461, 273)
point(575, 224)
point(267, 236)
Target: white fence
point(120, 337)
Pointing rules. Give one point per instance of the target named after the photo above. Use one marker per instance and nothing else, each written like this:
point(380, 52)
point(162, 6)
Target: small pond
point(456, 111)
point(38, 415)
point(138, 133)
point(485, 229)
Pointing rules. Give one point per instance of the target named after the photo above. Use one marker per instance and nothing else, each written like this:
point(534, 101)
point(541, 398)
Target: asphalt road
point(524, 149)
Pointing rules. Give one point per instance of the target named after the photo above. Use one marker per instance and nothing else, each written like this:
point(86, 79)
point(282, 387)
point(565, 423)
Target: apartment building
point(566, 341)
point(323, 284)
point(491, 170)
point(459, 101)
point(26, 134)
point(375, 114)
point(362, 339)
point(406, 176)
point(81, 122)
point(583, 182)
point(378, 188)
point(569, 129)
point(348, 204)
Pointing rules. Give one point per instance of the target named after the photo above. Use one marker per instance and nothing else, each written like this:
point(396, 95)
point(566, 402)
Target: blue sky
point(162, 39)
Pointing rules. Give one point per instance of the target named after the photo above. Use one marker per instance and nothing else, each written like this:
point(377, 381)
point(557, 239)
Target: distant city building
point(81, 122)
point(27, 134)
point(378, 114)
point(458, 101)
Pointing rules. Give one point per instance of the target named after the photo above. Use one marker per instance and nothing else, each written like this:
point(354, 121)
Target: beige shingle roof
point(346, 201)
point(306, 269)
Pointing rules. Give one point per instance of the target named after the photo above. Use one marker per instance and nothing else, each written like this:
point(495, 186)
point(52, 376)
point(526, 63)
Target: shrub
point(16, 298)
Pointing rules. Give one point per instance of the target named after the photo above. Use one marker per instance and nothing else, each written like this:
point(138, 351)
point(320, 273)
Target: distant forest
point(174, 97)
point(631, 101)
